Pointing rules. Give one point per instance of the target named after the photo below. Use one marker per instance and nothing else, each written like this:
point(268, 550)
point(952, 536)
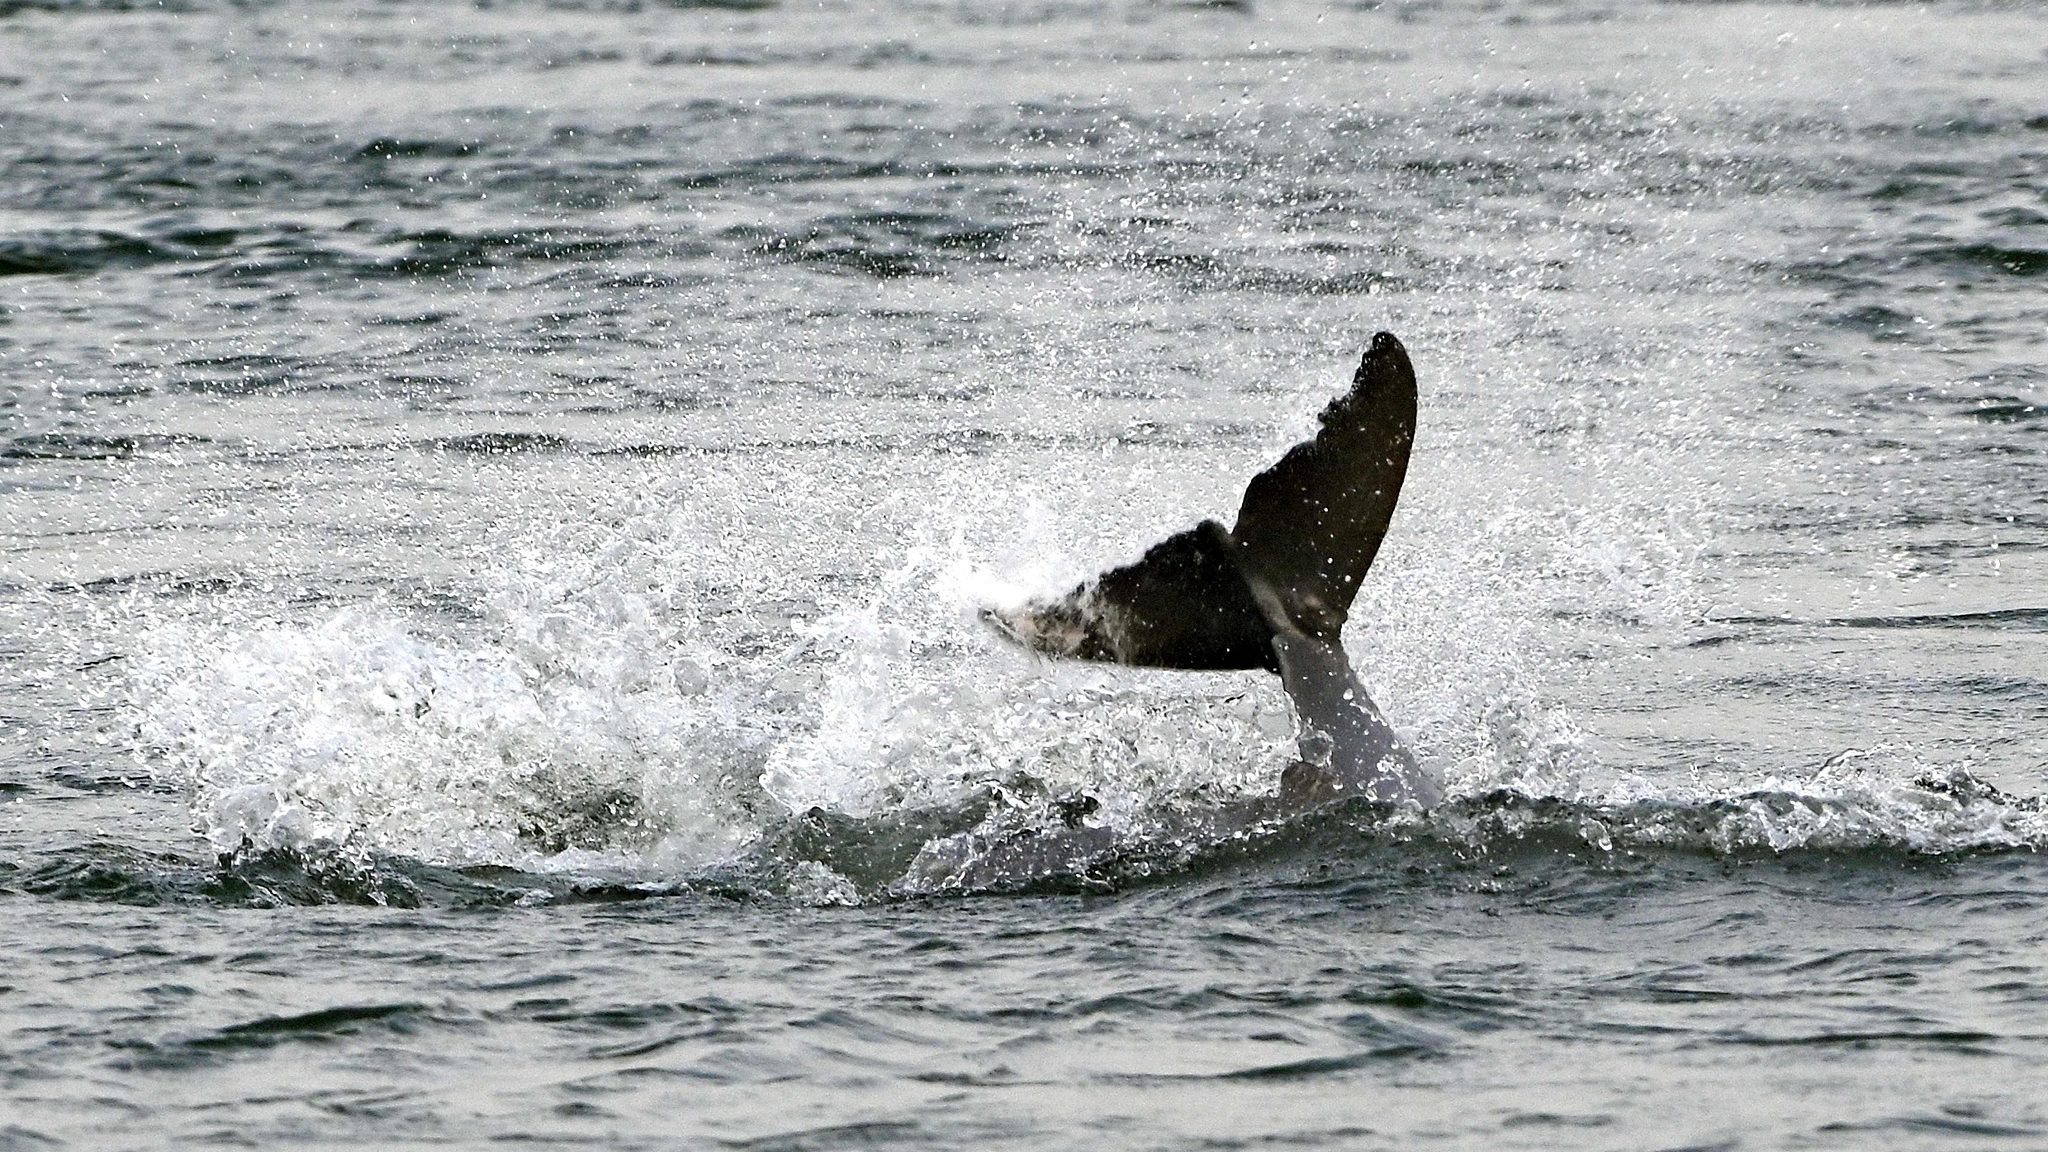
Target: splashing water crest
point(617, 706)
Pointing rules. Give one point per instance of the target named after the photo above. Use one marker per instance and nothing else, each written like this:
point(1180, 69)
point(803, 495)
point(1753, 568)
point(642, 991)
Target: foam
point(643, 693)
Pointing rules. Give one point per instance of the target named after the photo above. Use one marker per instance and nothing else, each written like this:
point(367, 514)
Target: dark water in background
point(471, 476)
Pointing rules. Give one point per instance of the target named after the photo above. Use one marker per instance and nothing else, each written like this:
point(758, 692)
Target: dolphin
point(1273, 591)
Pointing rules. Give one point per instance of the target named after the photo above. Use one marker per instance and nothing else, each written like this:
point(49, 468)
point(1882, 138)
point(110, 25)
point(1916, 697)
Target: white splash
point(642, 694)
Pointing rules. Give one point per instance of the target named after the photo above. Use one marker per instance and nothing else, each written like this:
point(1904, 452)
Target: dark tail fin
point(1309, 526)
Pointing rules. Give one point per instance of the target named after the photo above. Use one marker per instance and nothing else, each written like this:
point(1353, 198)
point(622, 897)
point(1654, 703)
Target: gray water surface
point(494, 499)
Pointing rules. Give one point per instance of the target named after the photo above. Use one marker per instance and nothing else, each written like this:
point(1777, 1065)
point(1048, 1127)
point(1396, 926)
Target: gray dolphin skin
point(1273, 591)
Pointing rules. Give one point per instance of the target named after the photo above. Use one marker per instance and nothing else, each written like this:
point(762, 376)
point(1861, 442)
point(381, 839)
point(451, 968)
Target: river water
point(494, 499)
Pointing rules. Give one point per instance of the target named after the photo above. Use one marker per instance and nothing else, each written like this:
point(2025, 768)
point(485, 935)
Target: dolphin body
point(1272, 591)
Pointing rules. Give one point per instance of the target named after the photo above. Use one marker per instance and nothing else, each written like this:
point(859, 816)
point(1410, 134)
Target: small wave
point(1207, 273)
point(1879, 271)
point(392, 148)
point(70, 252)
point(321, 1023)
point(2016, 217)
point(702, 58)
point(2011, 260)
point(2005, 410)
point(286, 247)
point(1945, 815)
point(107, 872)
point(11, 7)
point(159, 583)
point(2019, 619)
point(782, 168)
point(885, 245)
point(241, 374)
point(439, 251)
point(320, 1026)
point(408, 255)
point(90, 446)
point(501, 443)
point(1877, 321)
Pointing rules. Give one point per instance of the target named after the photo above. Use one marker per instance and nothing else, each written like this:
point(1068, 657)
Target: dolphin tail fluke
point(1308, 526)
